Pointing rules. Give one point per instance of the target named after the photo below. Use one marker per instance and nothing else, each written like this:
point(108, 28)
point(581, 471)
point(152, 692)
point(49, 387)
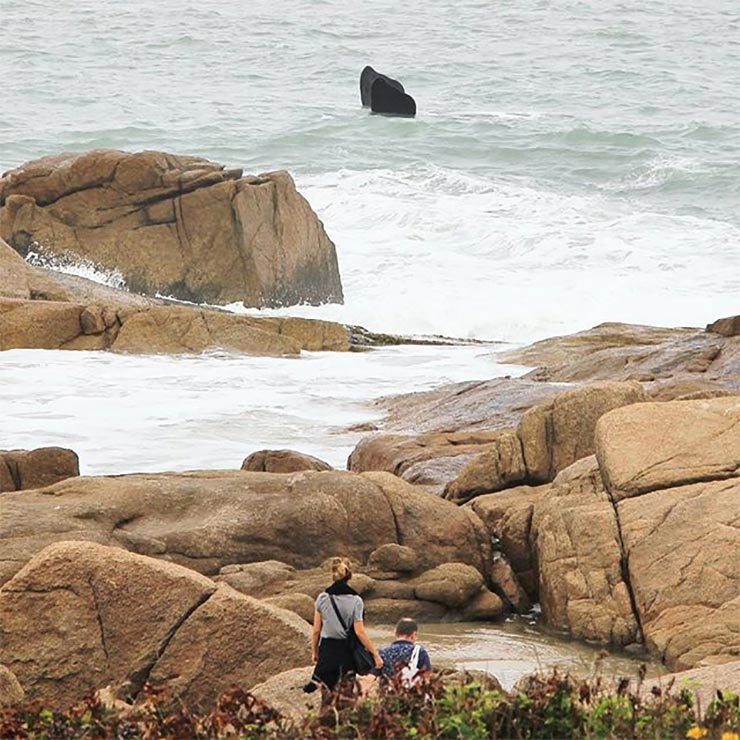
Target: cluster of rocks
point(148, 578)
point(634, 544)
point(181, 227)
point(466, 439)
point(80, 616)
point(638, 543)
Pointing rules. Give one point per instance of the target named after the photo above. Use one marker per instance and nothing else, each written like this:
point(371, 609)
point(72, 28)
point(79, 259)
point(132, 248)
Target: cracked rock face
point(173, 225)
point(579, 556)
point(683, 549)
point(81, 616)
point(643, 540)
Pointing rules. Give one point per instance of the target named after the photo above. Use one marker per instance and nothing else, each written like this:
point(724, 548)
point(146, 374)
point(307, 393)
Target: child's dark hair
point(406, 626)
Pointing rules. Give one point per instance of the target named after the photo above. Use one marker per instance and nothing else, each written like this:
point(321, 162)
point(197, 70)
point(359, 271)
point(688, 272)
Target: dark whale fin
point(367, 77)
point(385, 98)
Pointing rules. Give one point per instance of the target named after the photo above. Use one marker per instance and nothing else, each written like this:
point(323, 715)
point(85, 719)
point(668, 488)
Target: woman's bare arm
point(315, 636)
point(364, 638)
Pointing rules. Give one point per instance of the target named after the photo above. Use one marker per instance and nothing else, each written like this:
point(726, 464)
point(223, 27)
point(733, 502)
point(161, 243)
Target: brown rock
point(300, 604)
point(502, 575)
point(727, 327)
point(174, 225)
point(500, 466)
point(507, 516)
point(178, 329)
point(682, 546)
point(451, 584)
point(556, 435)
point(596, 344)
point(283, 692)
point(391, 589)
point(21, 281)
point(470, 406)
point(231, 639)
point(255, 579)
point(394, 557)
point(208, 520)
point(11, 692)
point(427, 459)
point(389, 611)
point(38, 324)
point(283, 461)
point(436, 529)
point(484, 606)
point(660, 445)
point(313, 335)
point(24, 469)
point(80, 616)
point(581, 587)
point(151, 329)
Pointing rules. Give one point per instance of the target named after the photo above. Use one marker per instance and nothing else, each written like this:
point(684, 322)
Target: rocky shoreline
point(604, 484)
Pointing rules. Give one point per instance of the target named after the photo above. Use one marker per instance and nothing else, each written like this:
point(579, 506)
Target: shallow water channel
point(515, 648)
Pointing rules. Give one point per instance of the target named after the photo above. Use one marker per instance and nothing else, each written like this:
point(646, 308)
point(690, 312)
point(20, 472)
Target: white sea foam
point(78, 266)
point(435, 251)
point(126, 413)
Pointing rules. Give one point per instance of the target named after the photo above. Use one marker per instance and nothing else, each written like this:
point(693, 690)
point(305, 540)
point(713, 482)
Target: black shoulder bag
point(362, 657)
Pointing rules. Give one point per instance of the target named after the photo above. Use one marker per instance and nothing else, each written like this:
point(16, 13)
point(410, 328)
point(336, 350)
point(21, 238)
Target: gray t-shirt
point(350, 607)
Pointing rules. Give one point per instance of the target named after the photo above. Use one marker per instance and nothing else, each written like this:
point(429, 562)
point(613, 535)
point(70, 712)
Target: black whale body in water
point(383, 94)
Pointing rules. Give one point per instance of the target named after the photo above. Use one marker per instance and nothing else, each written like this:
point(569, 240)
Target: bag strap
point(338, 613)
point(414, 662)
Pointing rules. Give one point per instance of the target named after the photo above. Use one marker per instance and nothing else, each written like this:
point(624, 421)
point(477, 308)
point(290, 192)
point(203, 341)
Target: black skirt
point(335, 661)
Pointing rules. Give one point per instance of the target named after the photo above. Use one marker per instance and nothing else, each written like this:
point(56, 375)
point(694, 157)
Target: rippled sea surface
point(571, 162)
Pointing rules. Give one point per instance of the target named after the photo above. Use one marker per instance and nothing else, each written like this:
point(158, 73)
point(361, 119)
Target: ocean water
point(132, 413)
point(572, 162)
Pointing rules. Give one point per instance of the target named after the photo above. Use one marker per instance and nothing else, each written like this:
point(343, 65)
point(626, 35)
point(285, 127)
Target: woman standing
point(338, 610)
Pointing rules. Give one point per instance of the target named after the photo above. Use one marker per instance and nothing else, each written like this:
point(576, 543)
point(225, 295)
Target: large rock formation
point(173, 225)
point(383, 94)
point(208, 520)
point(641, 542)
point(80, 616)
point(555, 435)
point(21, 469)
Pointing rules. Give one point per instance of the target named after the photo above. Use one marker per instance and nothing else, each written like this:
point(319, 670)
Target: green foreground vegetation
point(556, 706)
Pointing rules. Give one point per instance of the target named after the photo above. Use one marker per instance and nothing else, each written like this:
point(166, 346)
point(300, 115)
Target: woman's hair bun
point(341, 569)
